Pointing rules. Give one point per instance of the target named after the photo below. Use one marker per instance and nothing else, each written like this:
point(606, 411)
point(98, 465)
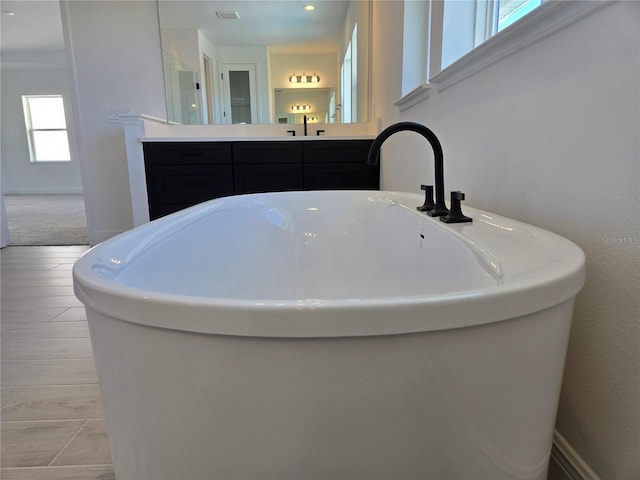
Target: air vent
point(228, 15)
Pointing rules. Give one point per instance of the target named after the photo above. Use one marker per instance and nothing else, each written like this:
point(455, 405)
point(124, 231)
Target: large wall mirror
point(266, 61)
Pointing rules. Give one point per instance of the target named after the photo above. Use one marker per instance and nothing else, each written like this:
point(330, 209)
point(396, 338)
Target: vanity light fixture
point(304, 78)
point(301, 108)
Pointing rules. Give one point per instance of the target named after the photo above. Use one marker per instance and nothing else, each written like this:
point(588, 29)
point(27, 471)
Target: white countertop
point(255, 139)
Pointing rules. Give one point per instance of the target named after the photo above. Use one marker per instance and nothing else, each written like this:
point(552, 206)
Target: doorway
point(239, 93)
point(46, 219)
point(32, 185)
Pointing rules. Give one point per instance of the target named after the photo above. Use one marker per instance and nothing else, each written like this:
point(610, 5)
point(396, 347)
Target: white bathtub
point(329, 335)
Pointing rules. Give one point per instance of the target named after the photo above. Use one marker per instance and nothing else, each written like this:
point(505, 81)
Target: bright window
point(349, 80)
point(345, 86)
point(468, 23)
point(354, 73)
point(511, 10)
point(46, 128)
point(447, 41)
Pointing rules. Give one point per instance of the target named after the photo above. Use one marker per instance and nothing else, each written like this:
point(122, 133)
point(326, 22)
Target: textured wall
point(549, 136)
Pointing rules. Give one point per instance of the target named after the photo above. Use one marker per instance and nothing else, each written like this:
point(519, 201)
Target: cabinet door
point(267, 178)
point(340, 176)
point(267, 166)
point(180, 175)
point(173, 187)
point(339, 165)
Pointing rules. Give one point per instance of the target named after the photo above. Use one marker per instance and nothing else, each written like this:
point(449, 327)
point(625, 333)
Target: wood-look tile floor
point(52, 422)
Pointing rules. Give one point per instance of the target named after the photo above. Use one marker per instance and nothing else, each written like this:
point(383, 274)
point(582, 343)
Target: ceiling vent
point(228, 15)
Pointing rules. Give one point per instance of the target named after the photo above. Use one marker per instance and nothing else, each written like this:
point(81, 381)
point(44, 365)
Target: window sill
point(537, 25)
point(414, 97)
point(48, 162)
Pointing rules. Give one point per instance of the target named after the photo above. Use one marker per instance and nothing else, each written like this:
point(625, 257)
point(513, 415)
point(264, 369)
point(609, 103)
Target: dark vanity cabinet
point(181, 174)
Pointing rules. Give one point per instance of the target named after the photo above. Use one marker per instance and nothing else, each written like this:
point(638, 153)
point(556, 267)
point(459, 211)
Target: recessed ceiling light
point(308, 8)
point(9, 13)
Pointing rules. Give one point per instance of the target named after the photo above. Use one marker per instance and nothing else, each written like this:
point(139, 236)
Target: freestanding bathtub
point(329, 335)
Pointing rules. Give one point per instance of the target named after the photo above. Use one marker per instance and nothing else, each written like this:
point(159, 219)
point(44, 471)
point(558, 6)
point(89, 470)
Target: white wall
point(183, 45)
point(550, 136)
point(34, 74)
point(116, 61)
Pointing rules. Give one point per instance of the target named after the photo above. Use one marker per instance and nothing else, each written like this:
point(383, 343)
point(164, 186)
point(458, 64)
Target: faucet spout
point(439, 208)
point(305, 125)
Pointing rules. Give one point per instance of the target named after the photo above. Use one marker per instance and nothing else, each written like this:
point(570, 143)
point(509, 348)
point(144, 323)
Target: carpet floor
point(46, 219)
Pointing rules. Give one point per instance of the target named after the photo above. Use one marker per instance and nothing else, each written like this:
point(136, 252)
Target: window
point(446, 41)
point(468, 23)
point(46, 128)
point(349, 79)
point(511, 10)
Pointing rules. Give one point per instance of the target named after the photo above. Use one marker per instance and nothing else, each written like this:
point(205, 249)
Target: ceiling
point(282, 25)
point(37, 26)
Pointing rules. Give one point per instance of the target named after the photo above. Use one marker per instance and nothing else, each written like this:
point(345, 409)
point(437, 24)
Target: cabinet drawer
point(267, 152)
point(339, 151)
point(187, 152)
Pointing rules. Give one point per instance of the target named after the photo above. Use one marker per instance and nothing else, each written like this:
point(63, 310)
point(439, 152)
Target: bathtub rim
point(322, 318)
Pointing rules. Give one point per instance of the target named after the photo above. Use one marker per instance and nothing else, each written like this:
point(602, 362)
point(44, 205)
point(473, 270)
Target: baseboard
point(569, 460)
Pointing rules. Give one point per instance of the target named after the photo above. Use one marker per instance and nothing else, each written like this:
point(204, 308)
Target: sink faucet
point(439, 209)
point(305, 125)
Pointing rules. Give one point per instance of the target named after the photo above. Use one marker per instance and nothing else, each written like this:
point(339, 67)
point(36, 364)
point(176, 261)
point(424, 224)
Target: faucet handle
point(455, 212)
point(292, 132)
point(428, 199)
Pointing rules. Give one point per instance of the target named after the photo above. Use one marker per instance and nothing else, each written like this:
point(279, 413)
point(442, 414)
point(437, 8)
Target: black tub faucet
point(439, 209)
point(305, 125)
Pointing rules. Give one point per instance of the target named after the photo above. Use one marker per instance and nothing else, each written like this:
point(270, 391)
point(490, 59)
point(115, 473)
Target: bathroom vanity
point(183, 173)
point(171, 167)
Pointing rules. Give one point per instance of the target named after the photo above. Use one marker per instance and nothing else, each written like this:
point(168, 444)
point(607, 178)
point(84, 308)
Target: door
point(239, 93)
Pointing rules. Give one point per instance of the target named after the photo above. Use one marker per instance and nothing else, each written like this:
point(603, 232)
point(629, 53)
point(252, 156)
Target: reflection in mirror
point(255, 61)
point(292, 104)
